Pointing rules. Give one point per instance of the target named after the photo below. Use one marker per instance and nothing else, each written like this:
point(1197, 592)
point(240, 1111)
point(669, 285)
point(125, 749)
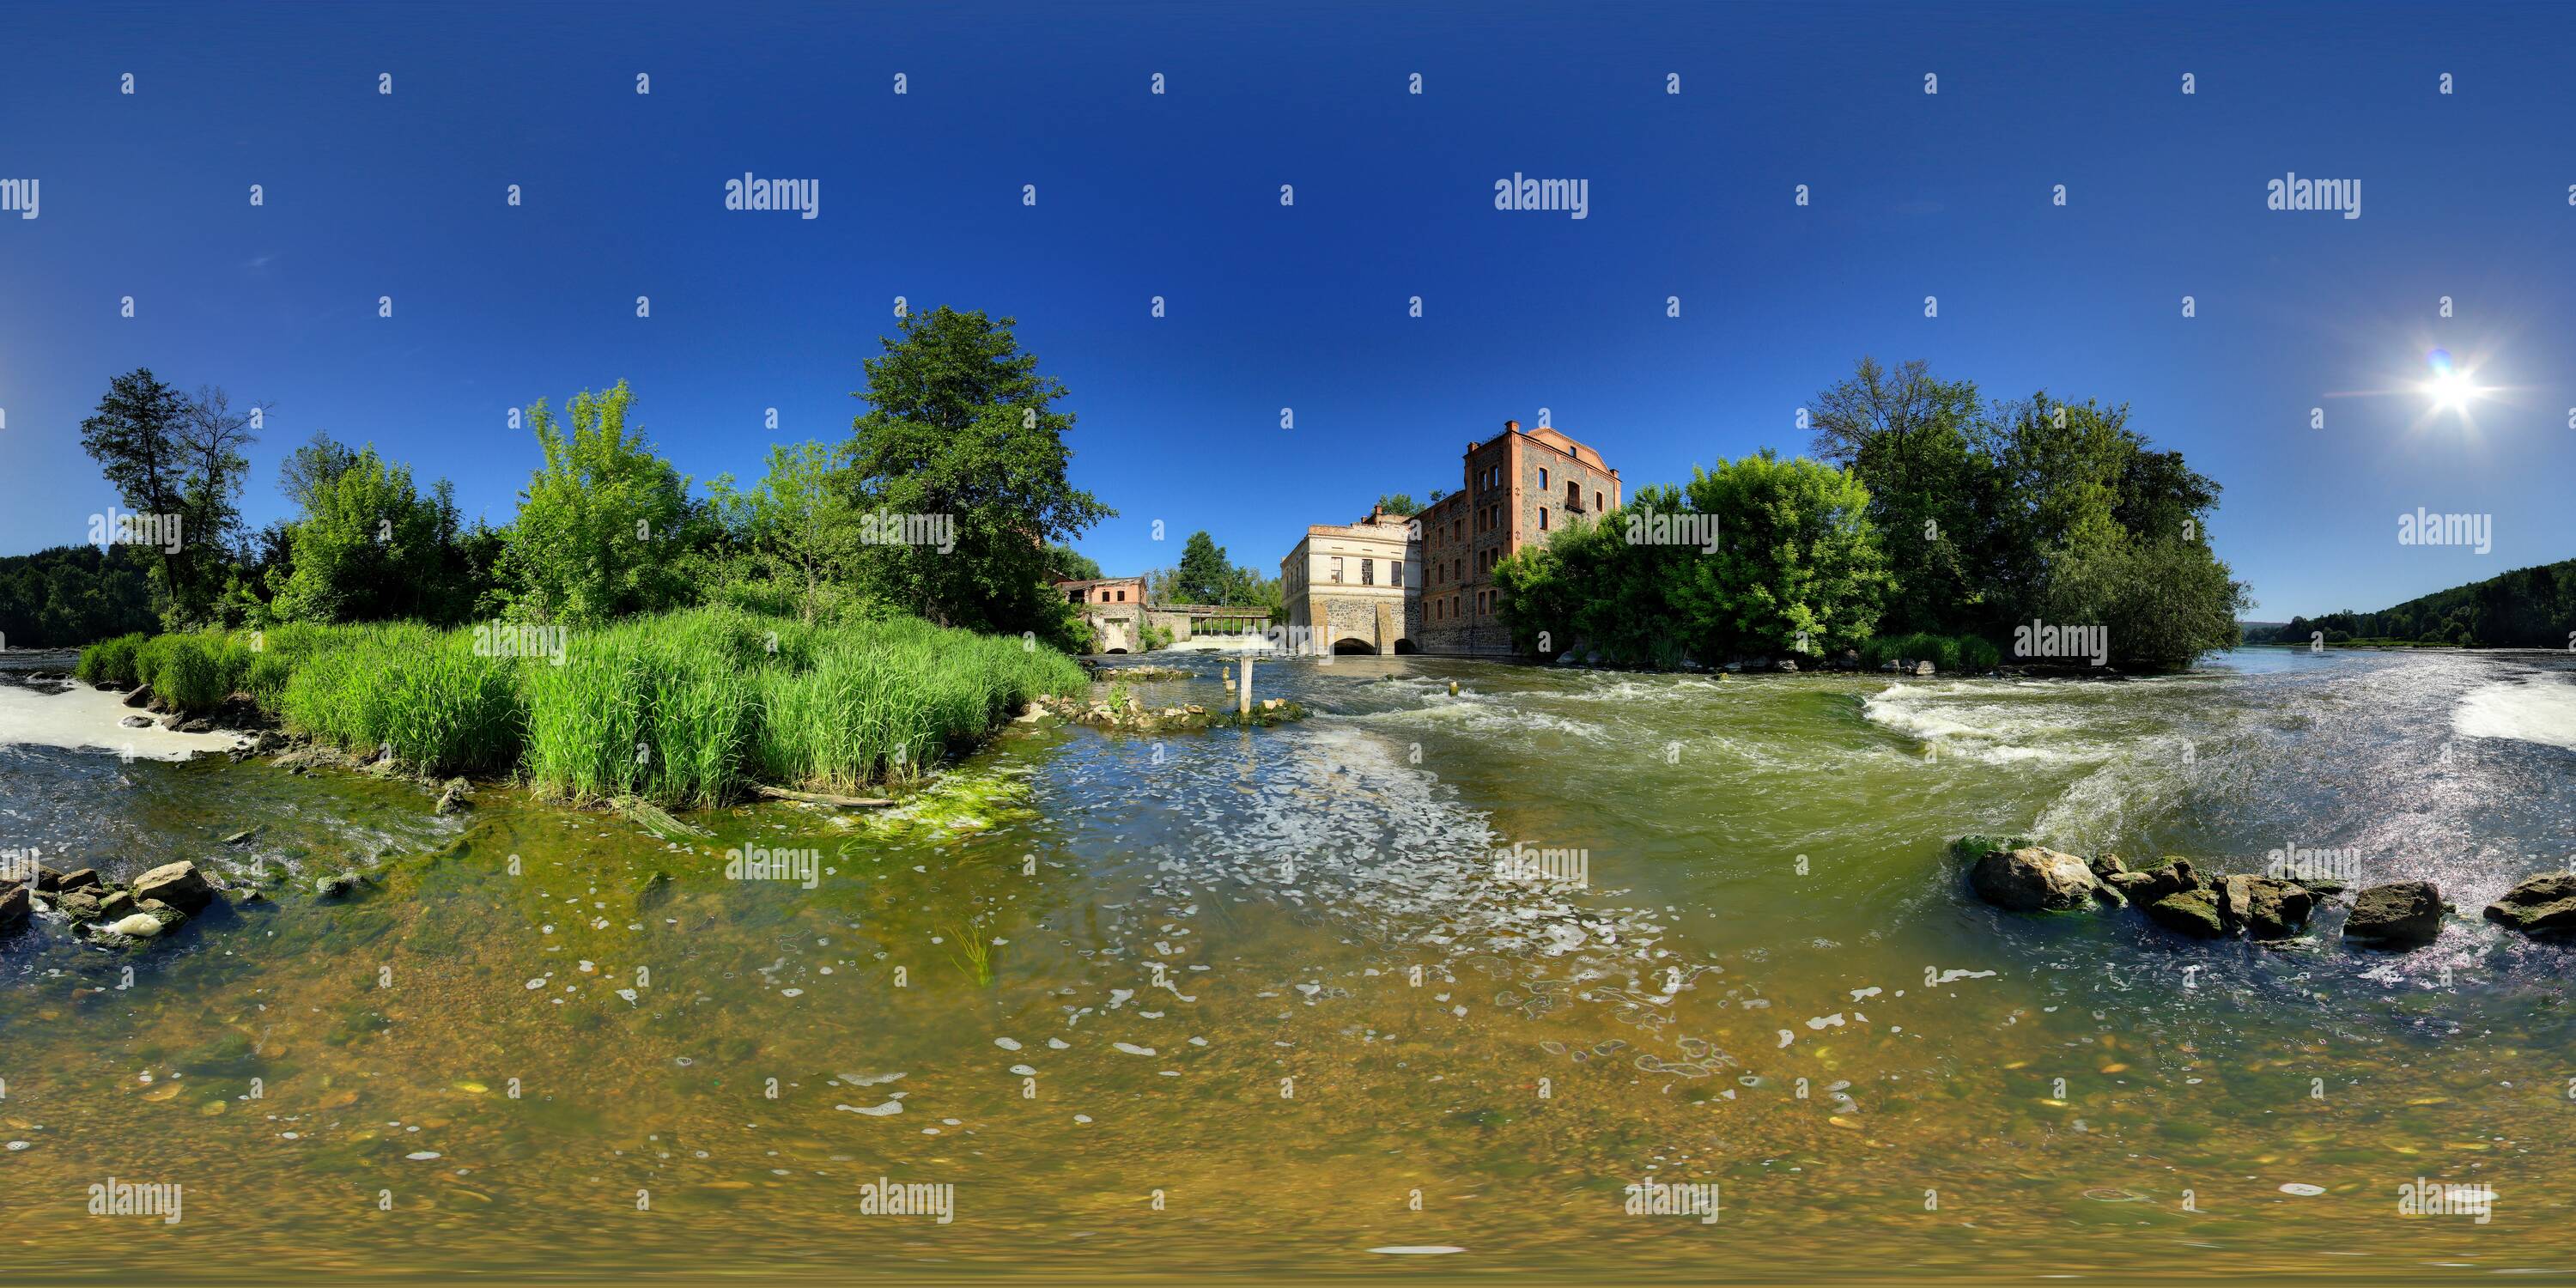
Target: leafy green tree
point(75, 595)
point(602, 524)
point(371, 547)
point(1401, 503)
point(1068, 564)
point(1204, 576)
point(2161, 604)
point(796, 523)
point(1798, 566)
point(1588, 585)
point(962, 430)
point(311, 467)
point(1917, 444)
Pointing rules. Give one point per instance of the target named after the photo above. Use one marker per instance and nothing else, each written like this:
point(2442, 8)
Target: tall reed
point(684, 709)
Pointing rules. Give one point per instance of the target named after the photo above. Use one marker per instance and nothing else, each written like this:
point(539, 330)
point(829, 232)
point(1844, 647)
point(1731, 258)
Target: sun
point(2452, 387)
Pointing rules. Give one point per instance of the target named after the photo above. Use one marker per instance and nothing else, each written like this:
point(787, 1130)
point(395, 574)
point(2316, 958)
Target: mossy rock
point(1974, 847)
point(2193, 912)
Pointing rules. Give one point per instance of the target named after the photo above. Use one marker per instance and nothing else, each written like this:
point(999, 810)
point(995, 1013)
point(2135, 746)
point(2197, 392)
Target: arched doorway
point(1350, 645)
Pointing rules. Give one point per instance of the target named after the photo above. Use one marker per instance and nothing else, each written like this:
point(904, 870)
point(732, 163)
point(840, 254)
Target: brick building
point(1521, 485)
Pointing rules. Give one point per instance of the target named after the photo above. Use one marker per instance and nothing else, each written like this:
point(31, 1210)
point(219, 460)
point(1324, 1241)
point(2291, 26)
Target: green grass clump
point(685, 709)
point(190, 676)
point(111, 661)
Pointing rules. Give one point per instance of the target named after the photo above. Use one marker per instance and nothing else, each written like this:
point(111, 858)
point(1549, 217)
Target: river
point(1258, 1003)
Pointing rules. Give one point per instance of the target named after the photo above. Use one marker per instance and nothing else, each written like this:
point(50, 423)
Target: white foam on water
point(86, 719)
point(1995, 723)
point(2542, 712)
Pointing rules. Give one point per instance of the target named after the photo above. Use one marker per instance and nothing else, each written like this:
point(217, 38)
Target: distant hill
point(2526, 608)
point(74, 595)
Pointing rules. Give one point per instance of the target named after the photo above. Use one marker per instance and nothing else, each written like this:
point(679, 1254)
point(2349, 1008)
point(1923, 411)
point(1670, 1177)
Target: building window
point(1542, 518)
point(1573, 495)
point(1596, 502)
point(1395, 572)
point(1368, 572)
point(1542, 478)
point(1337, 569)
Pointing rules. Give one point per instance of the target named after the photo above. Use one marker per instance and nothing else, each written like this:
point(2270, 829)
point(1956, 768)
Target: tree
point(1068, 564)
point(212, 437)
point(1795, 566)
point(312, 466)
point(135, 437)
point(796, 524)
point(602, 523)
point(371, 547)
point(1204, 575)
point(1402, 503)
point(1798, 566)
point(179, 460)
point(74, 595)
point(1916, 443)
point(962, 441)
point(2161, 604)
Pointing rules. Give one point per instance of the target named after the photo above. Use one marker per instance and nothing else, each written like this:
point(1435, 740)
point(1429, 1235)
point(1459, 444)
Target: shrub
point(1945, 652)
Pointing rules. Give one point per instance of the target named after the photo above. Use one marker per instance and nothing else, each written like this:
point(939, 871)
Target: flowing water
point(1257, 1001)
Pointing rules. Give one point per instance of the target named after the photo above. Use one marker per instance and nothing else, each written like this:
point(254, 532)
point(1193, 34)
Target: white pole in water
point(1243, 691)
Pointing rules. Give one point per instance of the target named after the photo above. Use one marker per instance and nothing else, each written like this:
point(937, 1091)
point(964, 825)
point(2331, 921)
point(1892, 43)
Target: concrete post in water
point(1243, 691)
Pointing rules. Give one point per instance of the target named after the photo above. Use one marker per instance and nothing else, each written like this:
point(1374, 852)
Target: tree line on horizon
point(961, 446)
point(1925, 510)
point(2531, 607)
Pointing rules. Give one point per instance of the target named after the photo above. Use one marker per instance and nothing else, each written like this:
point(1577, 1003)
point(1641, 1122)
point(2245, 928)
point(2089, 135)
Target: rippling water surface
point(1257, 1002)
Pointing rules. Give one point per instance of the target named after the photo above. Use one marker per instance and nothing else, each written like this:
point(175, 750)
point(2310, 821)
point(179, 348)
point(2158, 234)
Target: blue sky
point(2465, 195)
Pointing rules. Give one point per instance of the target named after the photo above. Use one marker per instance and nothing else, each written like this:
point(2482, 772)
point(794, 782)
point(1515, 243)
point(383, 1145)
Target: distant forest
point(2525, 608)
point(74, 594)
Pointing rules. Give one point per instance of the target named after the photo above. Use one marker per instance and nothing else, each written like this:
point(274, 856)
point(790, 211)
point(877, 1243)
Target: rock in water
point(2032, 879)
point(2271, 908)
point(456, 795)
point(15, 903)
point(114, 904)
point(2193, 912)
point(77, 906)
point(2402, 914)
point(79, 878)
point(2144, 888)
point(2235, 898)
point(2541, 905)
point(176, 884)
